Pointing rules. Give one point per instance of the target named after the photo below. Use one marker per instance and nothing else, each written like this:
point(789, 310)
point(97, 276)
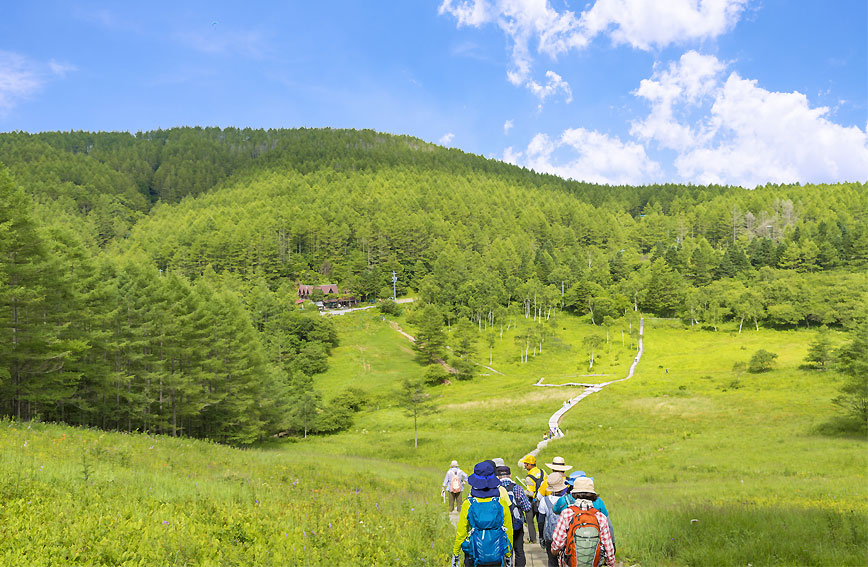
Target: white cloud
point(511, 156)
point(507, 126)
point(594, 157)
point(729, 130)
point(554, 85)
point(644, 24)
point(21, 77)
point(446, 139)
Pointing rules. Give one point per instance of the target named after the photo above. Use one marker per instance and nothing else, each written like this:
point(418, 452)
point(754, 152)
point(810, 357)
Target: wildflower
point(165, 523)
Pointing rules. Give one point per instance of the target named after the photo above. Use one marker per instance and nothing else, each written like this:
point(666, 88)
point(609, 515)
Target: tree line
point(112, 341)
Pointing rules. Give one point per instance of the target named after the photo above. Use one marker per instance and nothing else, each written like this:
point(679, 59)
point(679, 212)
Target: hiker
point(533, 482)
point(557, 465)
point(548, 520)
point(519, 505)
point(582, 533)
point(454, 483)
point(484, 530)
point(568, 500)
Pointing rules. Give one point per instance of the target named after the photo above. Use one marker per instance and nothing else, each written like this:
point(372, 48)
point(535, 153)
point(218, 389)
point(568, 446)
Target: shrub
point(435, 374)
point(389, 307)
point(762, 361)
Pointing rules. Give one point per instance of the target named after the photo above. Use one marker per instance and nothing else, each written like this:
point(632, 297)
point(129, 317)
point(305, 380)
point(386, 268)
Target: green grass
point(740, 453)
point(81, 497)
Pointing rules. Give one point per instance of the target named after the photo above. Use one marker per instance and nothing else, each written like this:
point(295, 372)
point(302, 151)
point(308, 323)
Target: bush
point(762, 361)
point(352, 398)
point(389, 307)
point(435, 374)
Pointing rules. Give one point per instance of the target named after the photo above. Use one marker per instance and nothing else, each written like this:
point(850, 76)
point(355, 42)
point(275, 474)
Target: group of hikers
point(560, 511)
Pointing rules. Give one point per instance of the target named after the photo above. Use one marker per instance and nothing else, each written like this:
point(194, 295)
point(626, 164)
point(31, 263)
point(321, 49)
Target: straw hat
point(556, 482)
point(582, 484)
point(558, 464)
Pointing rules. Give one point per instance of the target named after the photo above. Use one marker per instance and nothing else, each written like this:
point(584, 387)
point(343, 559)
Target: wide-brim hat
point(556, 482)
point(483, 482)
point(559, 464)
point(583, 484)
point(453, 464)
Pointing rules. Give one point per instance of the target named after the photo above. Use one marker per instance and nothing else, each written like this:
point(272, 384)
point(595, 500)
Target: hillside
point(149, 289)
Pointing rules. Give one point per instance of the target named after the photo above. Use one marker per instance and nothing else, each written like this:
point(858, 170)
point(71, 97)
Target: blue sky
point(740, 92)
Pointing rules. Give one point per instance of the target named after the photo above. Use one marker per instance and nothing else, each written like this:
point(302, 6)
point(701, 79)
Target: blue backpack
point(488, 542)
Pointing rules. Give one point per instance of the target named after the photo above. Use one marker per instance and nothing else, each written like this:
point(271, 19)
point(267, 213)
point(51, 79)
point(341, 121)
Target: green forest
point(148, 281)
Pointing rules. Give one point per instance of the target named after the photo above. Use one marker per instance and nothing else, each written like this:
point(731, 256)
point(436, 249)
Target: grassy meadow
point(705, 464)
point(700, 462)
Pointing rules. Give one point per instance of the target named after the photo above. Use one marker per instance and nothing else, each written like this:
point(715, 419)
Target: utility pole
point(394, 289)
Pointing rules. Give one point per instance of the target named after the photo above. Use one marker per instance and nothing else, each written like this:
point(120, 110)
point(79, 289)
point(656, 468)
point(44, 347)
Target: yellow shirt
point(531, 483)
point(464, 526)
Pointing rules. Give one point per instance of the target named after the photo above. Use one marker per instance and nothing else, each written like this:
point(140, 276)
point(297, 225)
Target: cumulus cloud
point(21, 77)
point(446, 139)
point(727, 129)
point(643, 24)
point(646, 24)
point(590, 156)
point(507, 126)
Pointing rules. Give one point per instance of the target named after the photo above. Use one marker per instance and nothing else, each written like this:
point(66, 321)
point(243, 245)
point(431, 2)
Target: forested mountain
point(149, 279)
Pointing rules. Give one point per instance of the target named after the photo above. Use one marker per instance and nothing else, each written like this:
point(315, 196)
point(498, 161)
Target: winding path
point(555, 419)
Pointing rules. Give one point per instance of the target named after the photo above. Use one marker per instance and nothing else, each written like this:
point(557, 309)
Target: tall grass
point(80, 497)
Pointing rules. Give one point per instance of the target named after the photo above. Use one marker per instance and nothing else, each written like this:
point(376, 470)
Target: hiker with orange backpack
point(484, 531)
point(582, 534)
point(454, 483)
point(568, 500)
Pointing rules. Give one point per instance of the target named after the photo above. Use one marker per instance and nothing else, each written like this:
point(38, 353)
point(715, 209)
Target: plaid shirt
point(607, 548)
point(520, 499)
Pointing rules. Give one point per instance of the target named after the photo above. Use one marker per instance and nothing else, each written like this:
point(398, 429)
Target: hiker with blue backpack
point(548, 519)
point(484, 530)
point(518, 505)
point(582, 536)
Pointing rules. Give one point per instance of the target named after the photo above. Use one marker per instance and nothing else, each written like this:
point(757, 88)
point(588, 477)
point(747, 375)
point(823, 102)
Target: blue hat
point(483, 482)
point(572, 478)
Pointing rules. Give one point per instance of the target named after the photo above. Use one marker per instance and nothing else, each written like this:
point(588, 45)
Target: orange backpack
point(456, 485)
point(583, 539)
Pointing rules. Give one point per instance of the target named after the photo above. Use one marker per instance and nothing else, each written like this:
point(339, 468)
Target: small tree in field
point(820, 351)
point(762, 361)
point(416, 403)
